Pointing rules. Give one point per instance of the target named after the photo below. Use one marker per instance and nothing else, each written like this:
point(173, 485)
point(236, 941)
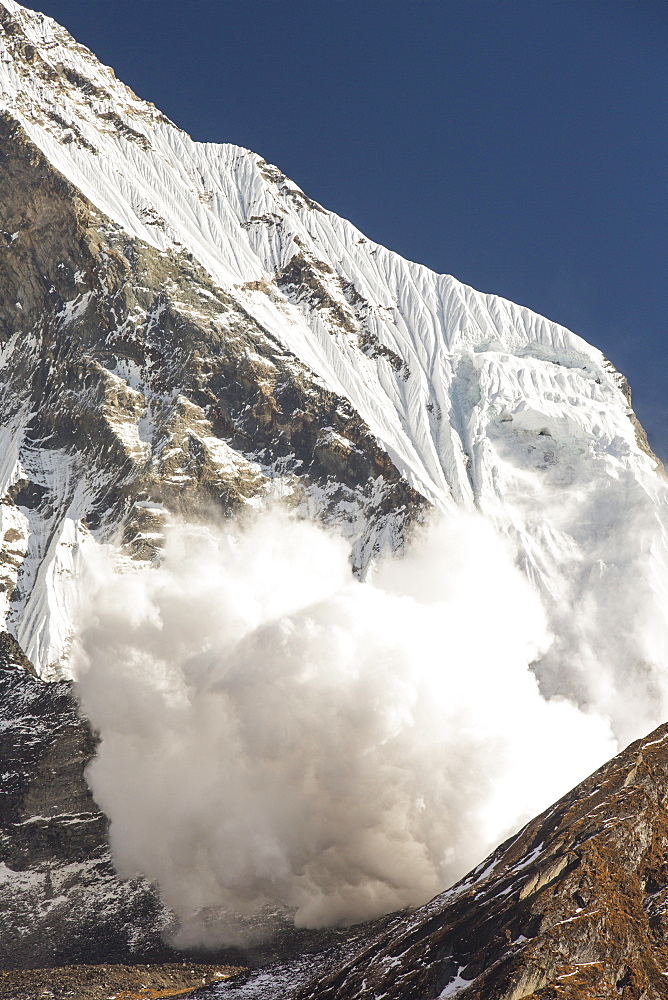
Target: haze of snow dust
point(277, 734)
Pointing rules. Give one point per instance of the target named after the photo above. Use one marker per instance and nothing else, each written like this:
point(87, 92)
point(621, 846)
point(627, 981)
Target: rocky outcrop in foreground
point(100, 982)
point(60, 899)
point(575, 906)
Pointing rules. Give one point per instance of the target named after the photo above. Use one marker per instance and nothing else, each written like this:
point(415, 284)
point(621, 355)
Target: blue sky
point(520, 145)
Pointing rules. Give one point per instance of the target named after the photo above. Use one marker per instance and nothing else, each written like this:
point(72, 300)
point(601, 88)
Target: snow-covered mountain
point(184, 331)
point(221, 332)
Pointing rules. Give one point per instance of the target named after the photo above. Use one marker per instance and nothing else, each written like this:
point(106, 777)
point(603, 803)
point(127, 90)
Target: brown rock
point(575, 906)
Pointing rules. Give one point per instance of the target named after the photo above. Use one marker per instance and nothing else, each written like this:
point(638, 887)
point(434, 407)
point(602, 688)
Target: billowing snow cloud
point(276, 733)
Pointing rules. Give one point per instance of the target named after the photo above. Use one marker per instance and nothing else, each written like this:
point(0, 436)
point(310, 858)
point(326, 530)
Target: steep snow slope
point(478, 402)
point(246, 223)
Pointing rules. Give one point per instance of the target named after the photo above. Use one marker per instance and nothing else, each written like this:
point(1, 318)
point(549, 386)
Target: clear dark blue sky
point(520, 145)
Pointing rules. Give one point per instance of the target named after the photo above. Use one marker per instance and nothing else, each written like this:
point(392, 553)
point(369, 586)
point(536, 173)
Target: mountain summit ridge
point(470, 396)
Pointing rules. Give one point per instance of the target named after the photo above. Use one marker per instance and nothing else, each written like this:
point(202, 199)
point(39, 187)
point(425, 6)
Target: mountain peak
point(183, 330)
point(470, 397)
point(56, 82)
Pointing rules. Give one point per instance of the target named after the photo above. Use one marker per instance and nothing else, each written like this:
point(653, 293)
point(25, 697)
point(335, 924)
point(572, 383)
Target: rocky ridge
point(61, 899)
point(575, 907)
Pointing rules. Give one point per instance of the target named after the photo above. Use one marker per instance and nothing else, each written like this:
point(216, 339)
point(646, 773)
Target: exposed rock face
point(60, 898)
point(575, 906)
point(135, 387)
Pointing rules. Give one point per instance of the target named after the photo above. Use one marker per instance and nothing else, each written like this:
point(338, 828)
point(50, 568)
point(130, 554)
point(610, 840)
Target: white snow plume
point(599, 558)
point(276, 733)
